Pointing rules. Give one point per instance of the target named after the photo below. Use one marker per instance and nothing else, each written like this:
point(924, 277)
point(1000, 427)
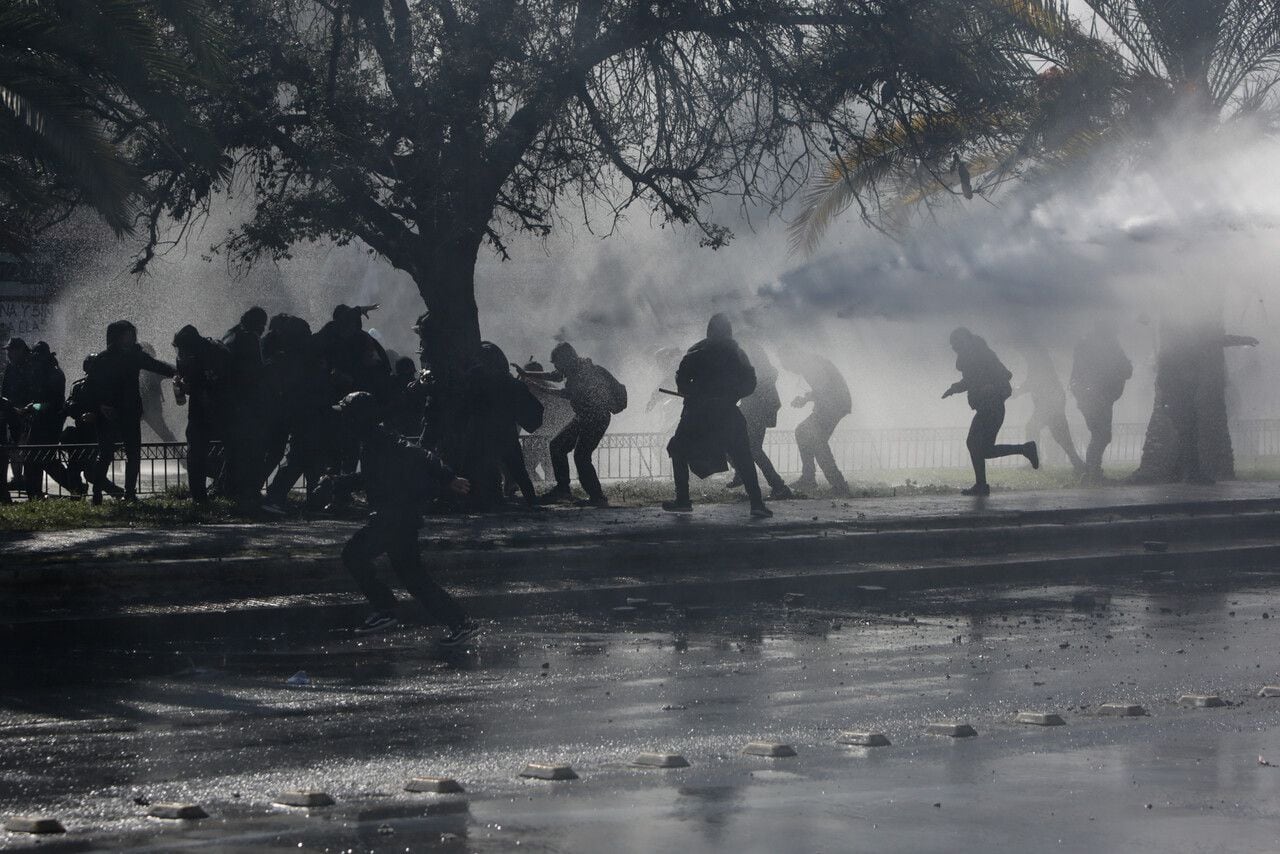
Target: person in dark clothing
point(300, 388)
point(16, 393)
point(556, 415)
point(47, 412)
point(829, 394)
point(713, 376)
point(355, 359)
point(500, 406)
point(203, 385)
point(595, 397)
point(1099, 372)
point(760, 409)
point(1049, 402)
point(117, 406)
point(245, 433)
point(397, 478)
point(985, 379)
point(81, 431)
point(152, 388)
point(407, 405)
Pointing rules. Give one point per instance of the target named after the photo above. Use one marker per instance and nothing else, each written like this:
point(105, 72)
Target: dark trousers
point(124, 430)
point(756, 430)
point(739, 452)
point(396, 536)
point(813, 438)
point(245, 449)
point(1097, 417)
point(46, 432)
point(199, 436)
point(516, 470)
point(983, 431)
point(309, 444)
point(581, 436)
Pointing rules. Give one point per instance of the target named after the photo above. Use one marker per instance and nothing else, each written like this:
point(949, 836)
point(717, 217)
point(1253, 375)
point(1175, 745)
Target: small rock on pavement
point(660, 760)
point(188, 812)
point(541, 771)
point(1122, 710)
point(1201, 701)
point(951, 730)
point(33, 824)
point(434, 786)
point(304, 799)
point(863, 739)
point(1269, 691)
point(1039, 719)
point(771, 749)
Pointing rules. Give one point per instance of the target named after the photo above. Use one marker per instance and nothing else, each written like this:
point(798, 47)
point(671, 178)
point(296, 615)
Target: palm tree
point(92, 100)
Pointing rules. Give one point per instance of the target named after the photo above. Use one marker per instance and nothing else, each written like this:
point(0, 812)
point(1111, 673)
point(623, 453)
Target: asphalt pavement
point(95, 735)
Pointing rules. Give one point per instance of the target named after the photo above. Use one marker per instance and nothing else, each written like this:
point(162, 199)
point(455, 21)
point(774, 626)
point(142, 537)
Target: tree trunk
point(1188, 437)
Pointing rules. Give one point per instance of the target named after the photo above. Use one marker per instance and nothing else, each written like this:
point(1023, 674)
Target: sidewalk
point(503, 563)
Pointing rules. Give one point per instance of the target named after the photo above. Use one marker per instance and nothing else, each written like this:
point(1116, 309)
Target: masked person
point(596, 396)
point(713, 376)
point(829, 394)
point(117, 406)
point(760, 409)
point(397, 478)
point(985, 379)
point(203, 385)
point(1048, 401)
point(1099, 372)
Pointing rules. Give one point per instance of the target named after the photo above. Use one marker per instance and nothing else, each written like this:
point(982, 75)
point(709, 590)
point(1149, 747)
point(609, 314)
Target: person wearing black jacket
point(244, 439)
point(760, 409)
point(985, 379)
point(397, 478)
point(203, 385)
point(499, 406)
point(47, 414)
point(15, 395)
point(713, 376)
point(117, 405)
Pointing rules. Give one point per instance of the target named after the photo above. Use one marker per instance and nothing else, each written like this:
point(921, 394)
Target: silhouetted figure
point(203, 385)
point(556, 415)
point(596, 396)
point(152, 388)
point(985, 379)
point(406, 405)
point(760, 408)
point(46, 414)
point(829, 394)
point(713, 376)
point(301, 384)
point(1099, 372)
point(1048, 402)
point(397, 479)
point(245, 437)
point(117, 406)
point(81, 431)
point(500, 406)
point(15, 394)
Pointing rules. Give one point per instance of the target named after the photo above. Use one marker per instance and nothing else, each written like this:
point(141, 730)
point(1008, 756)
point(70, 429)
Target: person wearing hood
point(398, 478)
point(203, 385)
point(713, 376)
point(596, 396)
point(760, 409)
point(985, 380)
point(500, 406)
point(117, 406)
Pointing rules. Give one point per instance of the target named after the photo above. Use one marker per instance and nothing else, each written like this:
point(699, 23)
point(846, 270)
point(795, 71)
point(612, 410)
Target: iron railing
point(643, 456)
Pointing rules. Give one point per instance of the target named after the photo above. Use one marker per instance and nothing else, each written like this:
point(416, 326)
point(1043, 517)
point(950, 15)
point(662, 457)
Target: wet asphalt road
point(93, 735)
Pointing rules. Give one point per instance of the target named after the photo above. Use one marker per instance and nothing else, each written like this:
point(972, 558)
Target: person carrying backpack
point(595, 396)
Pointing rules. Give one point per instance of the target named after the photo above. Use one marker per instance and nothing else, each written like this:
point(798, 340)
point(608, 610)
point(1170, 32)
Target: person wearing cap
point(985, 380)
point(205, 368)
point(397, 478)
point(15, 394)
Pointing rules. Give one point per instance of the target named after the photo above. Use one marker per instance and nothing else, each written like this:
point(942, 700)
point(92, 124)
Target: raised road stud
point(541, 771)
point(434, 786)
point(1121, 710)
point(863, 739)
point(304, 798)
point(33, 824)
point(1039, 719)
point(770, 749)
point(660, 760)
point(1201, 701)
point(951, 730)
point(185, 812)
point(1269, 691)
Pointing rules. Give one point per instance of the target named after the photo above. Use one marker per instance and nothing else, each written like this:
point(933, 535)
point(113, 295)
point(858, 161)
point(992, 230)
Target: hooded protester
point(760, 409)
point(829, 394)
point(203, 384)
point(713, 376)
point(985, 379)
point(1099, 372)
point(596, 396)
point(500, 406)
point(397, 478)
point(117, 406)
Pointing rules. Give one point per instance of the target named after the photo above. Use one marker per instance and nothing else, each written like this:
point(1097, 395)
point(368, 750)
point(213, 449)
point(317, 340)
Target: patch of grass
point(165, 511)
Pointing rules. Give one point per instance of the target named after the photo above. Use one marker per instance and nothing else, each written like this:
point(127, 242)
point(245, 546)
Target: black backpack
point(616, 391)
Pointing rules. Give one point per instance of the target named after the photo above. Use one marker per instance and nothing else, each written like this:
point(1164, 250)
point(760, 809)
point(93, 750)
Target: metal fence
point(643, 456)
